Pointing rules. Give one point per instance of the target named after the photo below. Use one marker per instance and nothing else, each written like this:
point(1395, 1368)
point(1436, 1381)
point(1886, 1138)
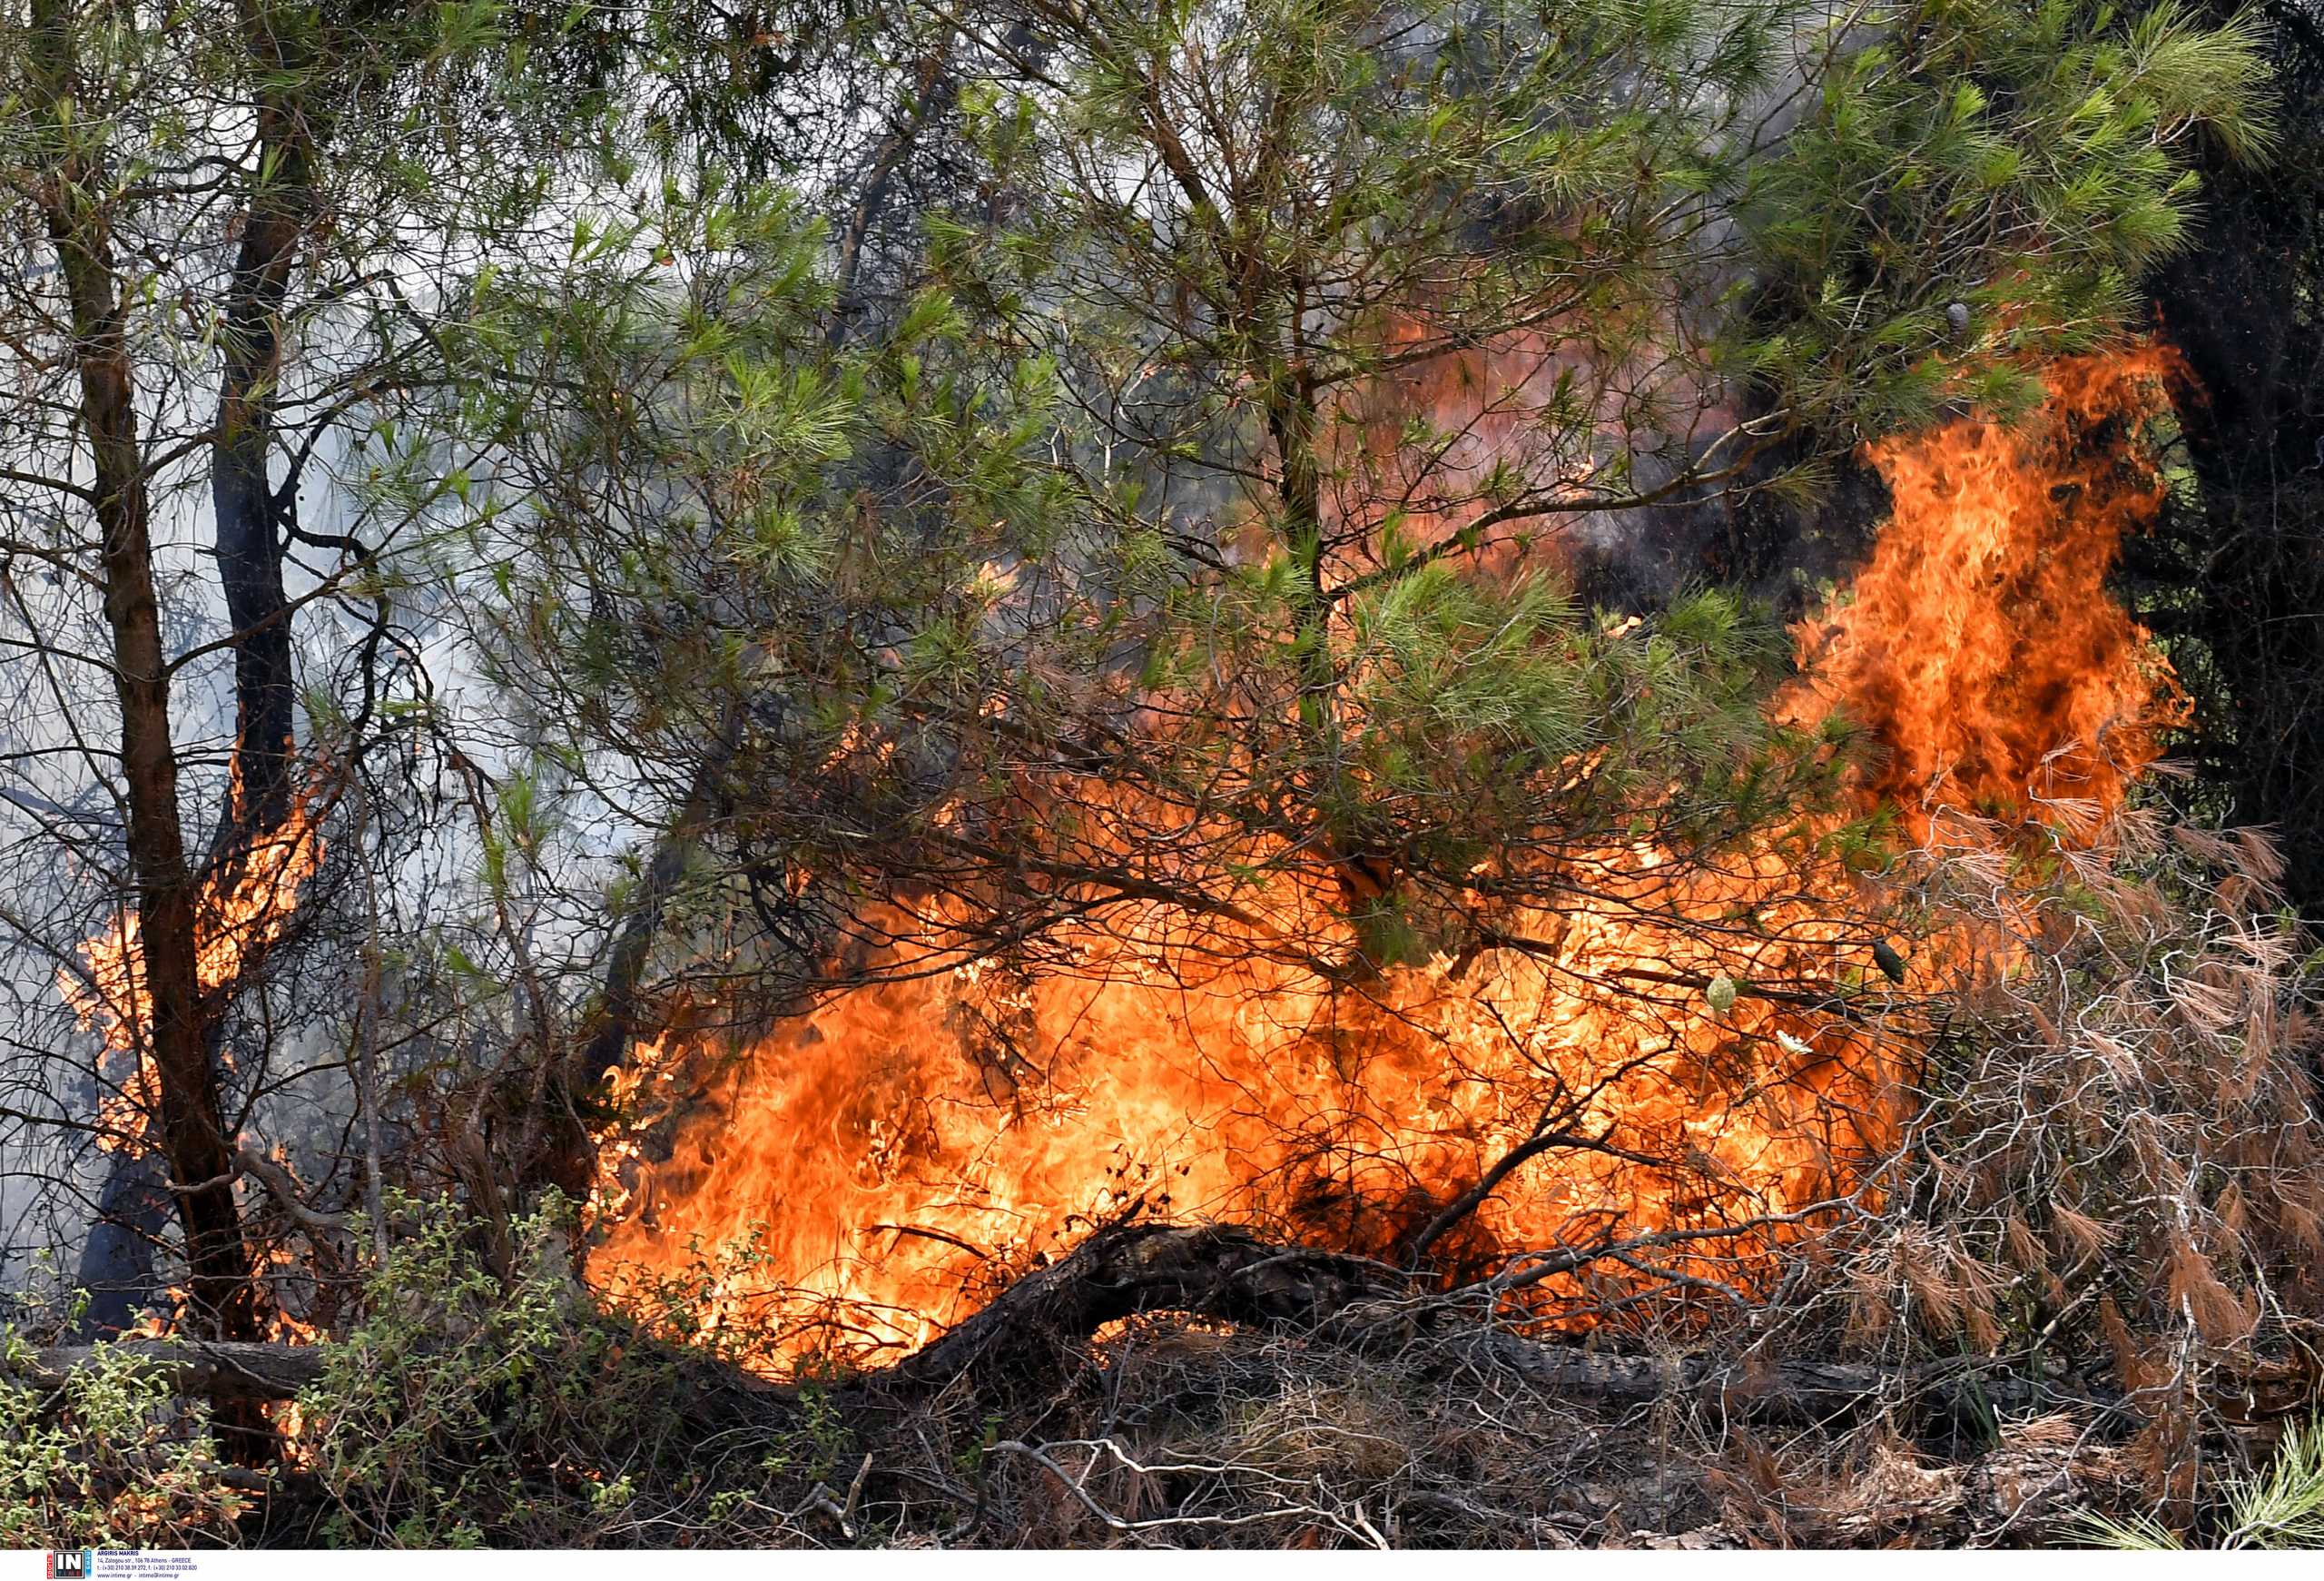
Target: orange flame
point(862, 1176)
point(244, 908)
point(1980, 644)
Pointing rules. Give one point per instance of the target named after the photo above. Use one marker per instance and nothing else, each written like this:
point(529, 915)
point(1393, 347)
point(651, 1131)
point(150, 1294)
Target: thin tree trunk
point(1294, 426)
point(621, 1017)
point(192, 1130)
point(367, 1011)
point(249, 536)
point(247, 525)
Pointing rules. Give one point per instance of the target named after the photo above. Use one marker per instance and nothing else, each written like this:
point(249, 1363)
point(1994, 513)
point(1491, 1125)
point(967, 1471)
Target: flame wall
point(854, 1179)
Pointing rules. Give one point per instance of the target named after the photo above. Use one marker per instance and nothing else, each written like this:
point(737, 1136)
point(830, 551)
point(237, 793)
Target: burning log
point(1035, 1328)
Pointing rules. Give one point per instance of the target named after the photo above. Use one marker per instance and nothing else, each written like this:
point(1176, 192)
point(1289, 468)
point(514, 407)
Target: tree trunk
point(621, 1017)
point(193, 1131)
point(249, 536)
point(1294, 426)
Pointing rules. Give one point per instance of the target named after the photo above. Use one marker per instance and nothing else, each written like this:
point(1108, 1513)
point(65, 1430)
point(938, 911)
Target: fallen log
point(249, 1369)
point(1039, 1331)
point(1035, 1328)
point(1000, 1350)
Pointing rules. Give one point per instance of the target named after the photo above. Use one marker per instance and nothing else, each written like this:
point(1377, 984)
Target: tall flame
point(1980, 643)
point(244, 908)
point(858, 1177)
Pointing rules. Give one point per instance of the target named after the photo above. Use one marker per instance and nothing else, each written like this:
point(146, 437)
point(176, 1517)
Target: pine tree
point(1208, 524)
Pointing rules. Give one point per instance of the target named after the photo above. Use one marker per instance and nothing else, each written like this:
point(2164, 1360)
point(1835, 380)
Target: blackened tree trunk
point(250, 540)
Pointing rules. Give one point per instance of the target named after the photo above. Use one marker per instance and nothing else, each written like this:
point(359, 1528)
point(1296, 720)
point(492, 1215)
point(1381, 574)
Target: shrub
point(469, 1409)
point(108, 1459)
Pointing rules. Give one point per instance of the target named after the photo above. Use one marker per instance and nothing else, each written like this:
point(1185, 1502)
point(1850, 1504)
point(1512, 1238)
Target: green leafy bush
point(108, 1459)
point(473, 1409)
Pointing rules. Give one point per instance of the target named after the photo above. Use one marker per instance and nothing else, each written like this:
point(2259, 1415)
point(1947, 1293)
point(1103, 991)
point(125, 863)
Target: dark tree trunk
point(116, 1267)
point(621, 1015)
point(2236, 570)
point(248, 532)
point(248, 542)
point(168, 1023)
point(172, 1030)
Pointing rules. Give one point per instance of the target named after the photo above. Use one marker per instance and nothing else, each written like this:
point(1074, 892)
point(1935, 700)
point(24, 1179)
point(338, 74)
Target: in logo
point(71, 1567)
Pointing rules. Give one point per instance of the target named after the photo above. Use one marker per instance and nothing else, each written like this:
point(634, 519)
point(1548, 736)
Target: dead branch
point(1033, 1329)
point(249, 1368)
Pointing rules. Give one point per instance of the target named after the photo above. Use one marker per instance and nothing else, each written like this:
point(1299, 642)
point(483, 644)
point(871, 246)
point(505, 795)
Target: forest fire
point(1249, 776)
point(1645, 1071)
point(245, 905)
point(1980, 643)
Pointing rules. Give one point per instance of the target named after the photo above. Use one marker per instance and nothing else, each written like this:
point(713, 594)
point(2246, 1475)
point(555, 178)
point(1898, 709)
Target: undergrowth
point(2108, 1204)
point(110, 1459)
point(467, 1408)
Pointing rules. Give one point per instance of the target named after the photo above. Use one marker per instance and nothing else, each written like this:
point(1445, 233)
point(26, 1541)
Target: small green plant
point(470, 1408)
point(2281, 1507)
point(109, 1459)
point(463, 1398)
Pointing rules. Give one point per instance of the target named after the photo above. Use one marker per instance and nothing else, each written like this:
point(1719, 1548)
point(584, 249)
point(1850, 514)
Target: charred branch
point(1031, 1332)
